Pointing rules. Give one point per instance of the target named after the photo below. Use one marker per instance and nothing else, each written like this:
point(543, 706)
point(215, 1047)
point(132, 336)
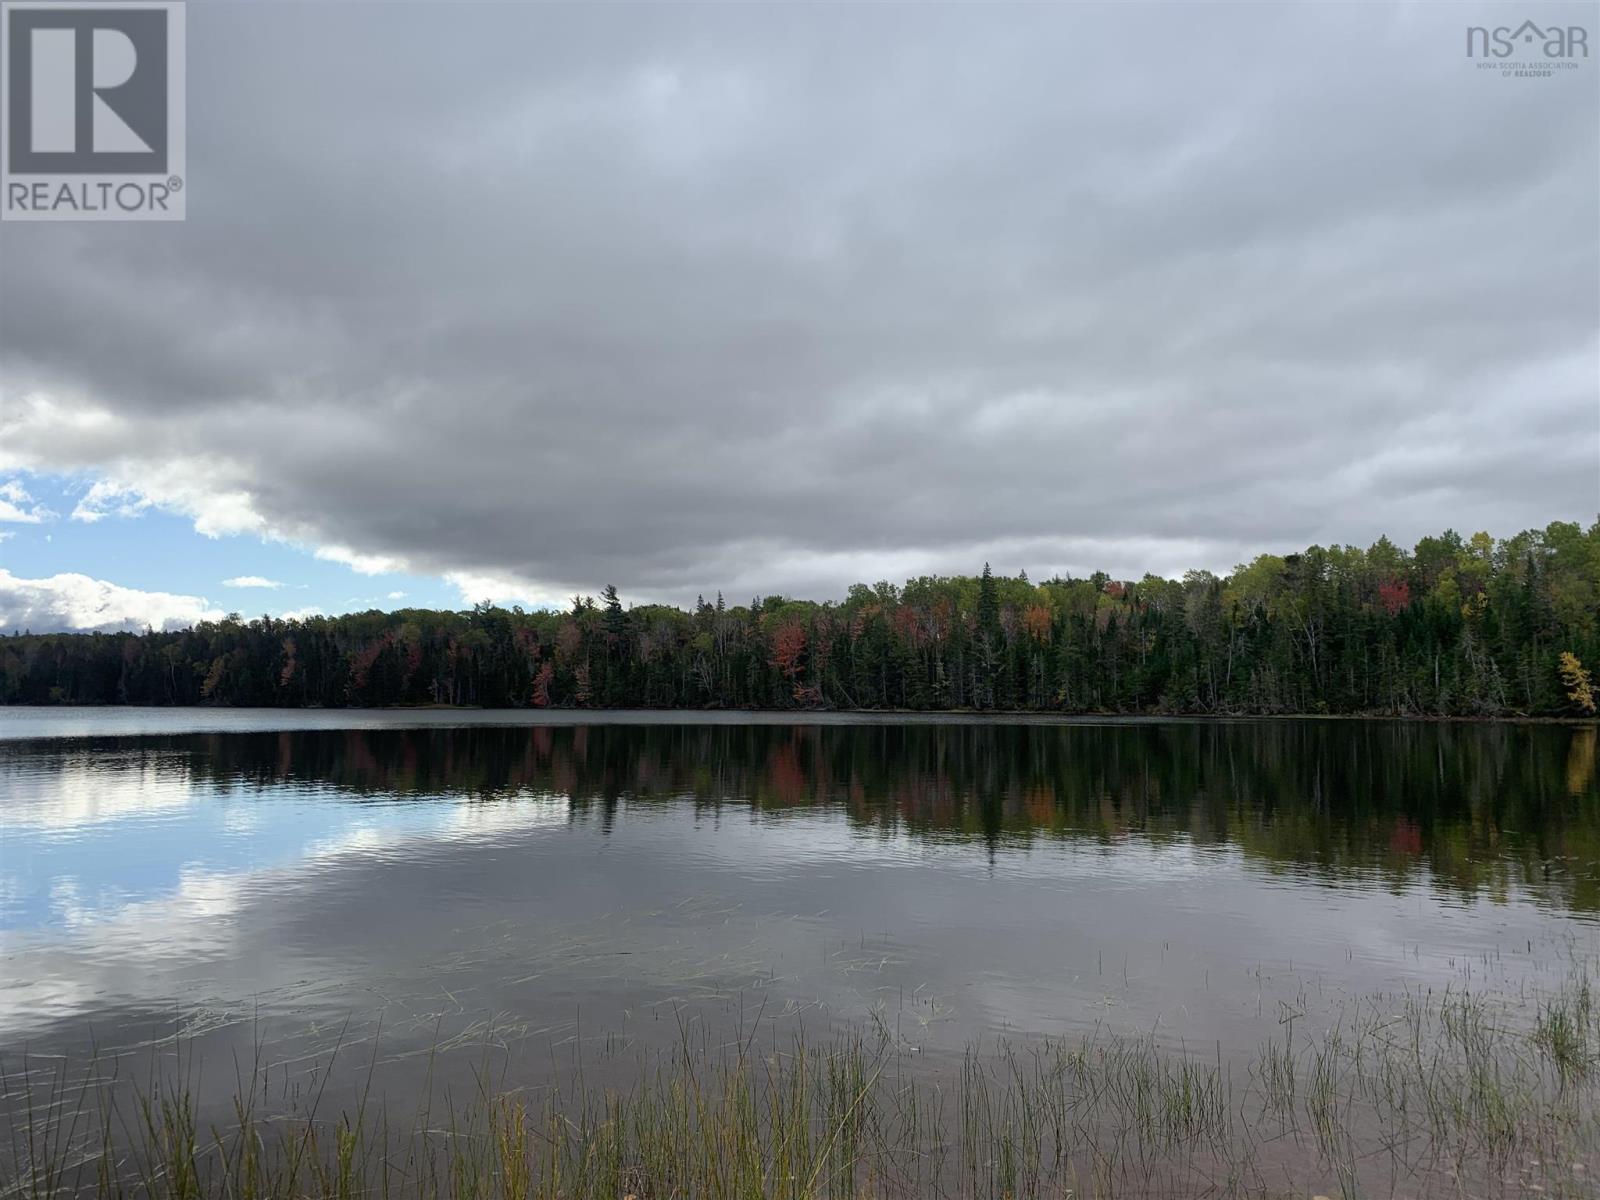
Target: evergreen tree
point(1459, 627)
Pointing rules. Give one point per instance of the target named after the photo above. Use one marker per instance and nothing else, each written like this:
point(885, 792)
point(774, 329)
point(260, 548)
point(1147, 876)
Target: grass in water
point(1423, 1094)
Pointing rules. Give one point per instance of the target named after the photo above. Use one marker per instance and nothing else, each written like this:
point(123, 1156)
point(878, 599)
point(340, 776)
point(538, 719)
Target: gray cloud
point(770, 298)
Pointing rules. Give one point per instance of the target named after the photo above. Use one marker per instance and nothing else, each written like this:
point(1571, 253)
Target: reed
point(1417, 1094)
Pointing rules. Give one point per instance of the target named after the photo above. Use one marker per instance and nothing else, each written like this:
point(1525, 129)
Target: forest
point(1454, 627)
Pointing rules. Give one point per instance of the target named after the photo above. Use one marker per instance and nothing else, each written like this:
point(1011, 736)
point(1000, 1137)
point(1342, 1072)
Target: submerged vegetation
point(1471, 627)
point(1416, 1094)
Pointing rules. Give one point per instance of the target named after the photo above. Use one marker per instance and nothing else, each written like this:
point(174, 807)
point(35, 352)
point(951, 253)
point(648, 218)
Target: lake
point(426, 897)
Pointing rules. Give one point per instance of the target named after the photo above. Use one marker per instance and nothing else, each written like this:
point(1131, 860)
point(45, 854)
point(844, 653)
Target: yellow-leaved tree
point(1576, 680)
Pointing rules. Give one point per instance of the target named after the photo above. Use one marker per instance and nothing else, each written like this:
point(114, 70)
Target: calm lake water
point(435, 888)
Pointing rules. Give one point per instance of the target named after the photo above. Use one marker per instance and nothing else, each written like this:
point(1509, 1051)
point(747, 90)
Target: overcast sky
point(504, 301)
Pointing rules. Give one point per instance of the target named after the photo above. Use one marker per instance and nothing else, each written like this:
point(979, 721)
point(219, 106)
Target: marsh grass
point(1421, 1094)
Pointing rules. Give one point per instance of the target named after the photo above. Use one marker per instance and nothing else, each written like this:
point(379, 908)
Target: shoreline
point(835, 716)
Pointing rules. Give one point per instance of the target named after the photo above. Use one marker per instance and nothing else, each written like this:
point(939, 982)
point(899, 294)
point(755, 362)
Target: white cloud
point(251, 581)
point(64, 430)
point(194, 488)
point(502, 589)
point(362, 564)
point(397, 595)
point(17, 505)
point(108, 498)
point(300, 614)
point(73, 601)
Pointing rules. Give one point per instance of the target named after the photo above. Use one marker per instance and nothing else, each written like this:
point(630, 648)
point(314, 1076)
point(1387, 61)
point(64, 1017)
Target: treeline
point(1470, 627)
